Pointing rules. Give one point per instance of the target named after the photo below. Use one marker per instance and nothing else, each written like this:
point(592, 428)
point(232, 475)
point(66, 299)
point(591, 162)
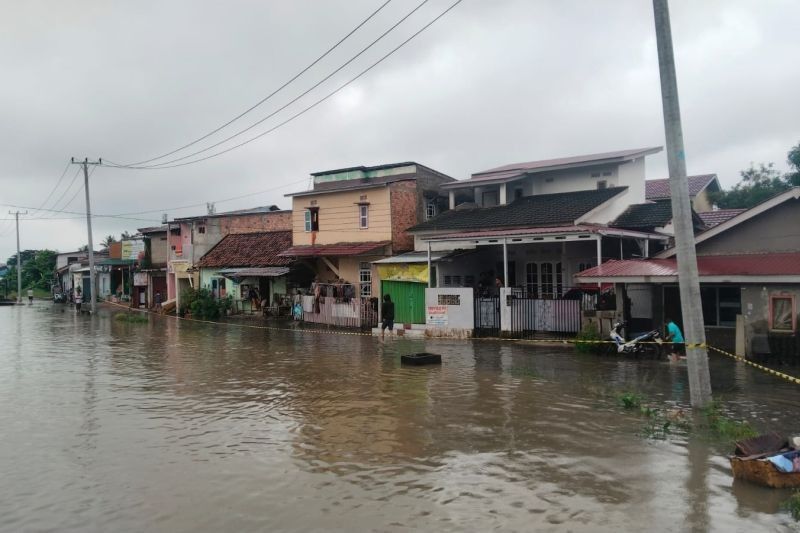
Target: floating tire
point(422, 358)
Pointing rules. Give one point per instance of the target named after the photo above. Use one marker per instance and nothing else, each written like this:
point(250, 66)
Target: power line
point(53, 190)
point(72, 182)
point(305, 110)
point(273, 93)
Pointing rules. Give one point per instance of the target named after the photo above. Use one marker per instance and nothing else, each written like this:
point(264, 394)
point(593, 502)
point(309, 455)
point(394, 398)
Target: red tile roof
point(713, 218)
point(659, 189)
point(778, 264)
point(331, 250)
point(261, 249)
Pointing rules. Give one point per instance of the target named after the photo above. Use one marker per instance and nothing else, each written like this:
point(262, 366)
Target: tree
point(84, 248)
point(107, 241)
point(759, 183)
point(124, 235)
point(37, 269)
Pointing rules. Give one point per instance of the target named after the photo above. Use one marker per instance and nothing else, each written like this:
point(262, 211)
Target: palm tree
point(107, 242)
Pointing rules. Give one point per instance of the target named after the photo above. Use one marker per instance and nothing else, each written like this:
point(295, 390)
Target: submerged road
point(178, 426)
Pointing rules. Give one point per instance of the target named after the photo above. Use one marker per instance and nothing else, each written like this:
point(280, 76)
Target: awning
point(262, 272)
point(334, 250)
point(411, 257)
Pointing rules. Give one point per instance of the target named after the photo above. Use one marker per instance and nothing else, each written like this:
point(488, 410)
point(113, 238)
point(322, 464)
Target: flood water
point(180, 426)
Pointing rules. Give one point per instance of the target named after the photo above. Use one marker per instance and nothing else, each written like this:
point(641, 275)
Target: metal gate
point(552, 317)
point(487, 316)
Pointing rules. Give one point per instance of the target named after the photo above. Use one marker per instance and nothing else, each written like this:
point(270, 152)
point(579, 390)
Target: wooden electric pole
point(688, 279)
point(92, 275)
point(19, 257)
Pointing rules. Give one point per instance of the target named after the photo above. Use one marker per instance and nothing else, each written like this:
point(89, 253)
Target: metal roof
point(331, 250)
point(757, 265)
point(515, 170)
point(411, 257)
point(264, 272)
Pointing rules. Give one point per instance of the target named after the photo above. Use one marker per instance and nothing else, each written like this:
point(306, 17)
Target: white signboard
point(436, 315)
point(133, 249)
point(140, 279)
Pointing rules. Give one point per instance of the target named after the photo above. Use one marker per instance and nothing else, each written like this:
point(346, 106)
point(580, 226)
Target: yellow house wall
point(338, 217)
point(701, 202)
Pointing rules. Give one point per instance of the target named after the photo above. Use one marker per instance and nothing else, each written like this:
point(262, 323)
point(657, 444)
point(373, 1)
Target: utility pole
point(19, 258)
point(92, 276)
point(688, 279)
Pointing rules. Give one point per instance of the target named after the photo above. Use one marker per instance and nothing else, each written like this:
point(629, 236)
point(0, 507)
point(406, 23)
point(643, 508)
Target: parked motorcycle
point(647, 344)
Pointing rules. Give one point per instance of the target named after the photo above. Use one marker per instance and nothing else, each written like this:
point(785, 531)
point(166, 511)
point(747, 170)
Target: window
point(365, 279)
point(607, 173)
point(457, 281)
point(720, 305)
point(430, 210)
point(532, 279)
point(201, 229)
point(544, 280)
point(595, 174)
point(469, 281)
point(585, 266)
point(602, 184)
point(781, 313)
point(363, 216)
point(312, 219)
point(448, 281)
point(518, 193)
point(546, 285)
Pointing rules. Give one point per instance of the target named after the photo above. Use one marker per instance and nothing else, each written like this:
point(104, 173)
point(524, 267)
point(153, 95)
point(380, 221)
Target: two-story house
point(530, 227)
point(355, 216)
point(151, 276)
point(190, 238)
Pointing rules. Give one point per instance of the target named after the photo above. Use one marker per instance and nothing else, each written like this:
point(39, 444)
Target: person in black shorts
point(387, 315)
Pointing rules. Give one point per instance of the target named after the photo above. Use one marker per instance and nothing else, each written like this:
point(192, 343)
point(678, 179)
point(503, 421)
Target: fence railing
point(531, 314)
point(341, 312)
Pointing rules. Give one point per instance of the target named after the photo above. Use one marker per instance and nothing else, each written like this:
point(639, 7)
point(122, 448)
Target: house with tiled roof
point(356, 215)
point(190, 238)
point(527, 228)
point(749, 269)
point(699, 188)
point(242, 262)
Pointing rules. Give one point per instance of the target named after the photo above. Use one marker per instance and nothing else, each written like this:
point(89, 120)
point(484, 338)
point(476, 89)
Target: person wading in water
point(387, 315)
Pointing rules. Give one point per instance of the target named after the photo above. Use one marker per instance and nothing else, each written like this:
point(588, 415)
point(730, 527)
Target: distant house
point(150, 276)
point(190, 238)
point(699, 187)
point(749, 265)
point(244, 261)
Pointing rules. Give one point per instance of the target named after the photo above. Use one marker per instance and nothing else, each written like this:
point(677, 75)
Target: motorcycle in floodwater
point(646, 344)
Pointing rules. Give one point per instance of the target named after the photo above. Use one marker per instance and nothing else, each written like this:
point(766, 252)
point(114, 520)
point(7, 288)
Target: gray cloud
point(491, 83)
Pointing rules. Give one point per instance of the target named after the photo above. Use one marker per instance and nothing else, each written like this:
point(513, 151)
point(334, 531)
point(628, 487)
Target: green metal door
point(409, 300)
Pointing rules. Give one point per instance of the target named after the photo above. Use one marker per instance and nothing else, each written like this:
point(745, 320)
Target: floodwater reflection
point(177, 426)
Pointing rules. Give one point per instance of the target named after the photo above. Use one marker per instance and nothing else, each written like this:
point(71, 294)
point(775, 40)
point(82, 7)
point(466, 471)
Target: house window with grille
point(546, 285)
point(365, 279)
point(782, 316)
point(430, 210)
point(532, 279)
point(363, 216)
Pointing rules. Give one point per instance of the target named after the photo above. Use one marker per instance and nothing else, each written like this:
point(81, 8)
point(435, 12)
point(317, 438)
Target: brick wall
point(404, 208)
point(275, 221)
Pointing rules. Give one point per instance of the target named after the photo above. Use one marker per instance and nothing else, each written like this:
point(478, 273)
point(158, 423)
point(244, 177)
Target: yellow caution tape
point(768, 370)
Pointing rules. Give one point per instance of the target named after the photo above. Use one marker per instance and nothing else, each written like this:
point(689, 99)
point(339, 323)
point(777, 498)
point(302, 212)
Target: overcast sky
point(492, 82)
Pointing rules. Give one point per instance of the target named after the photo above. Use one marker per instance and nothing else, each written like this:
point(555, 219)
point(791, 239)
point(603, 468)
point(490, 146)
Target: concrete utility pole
point(19, 258)
point(92, 276)
point(688, 279)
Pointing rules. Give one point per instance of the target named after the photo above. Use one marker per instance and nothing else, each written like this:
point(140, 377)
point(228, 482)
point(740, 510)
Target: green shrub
point(793, 505)
point(132, 318)
point(724, 427)
point(630, 400)
point(588, 333)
